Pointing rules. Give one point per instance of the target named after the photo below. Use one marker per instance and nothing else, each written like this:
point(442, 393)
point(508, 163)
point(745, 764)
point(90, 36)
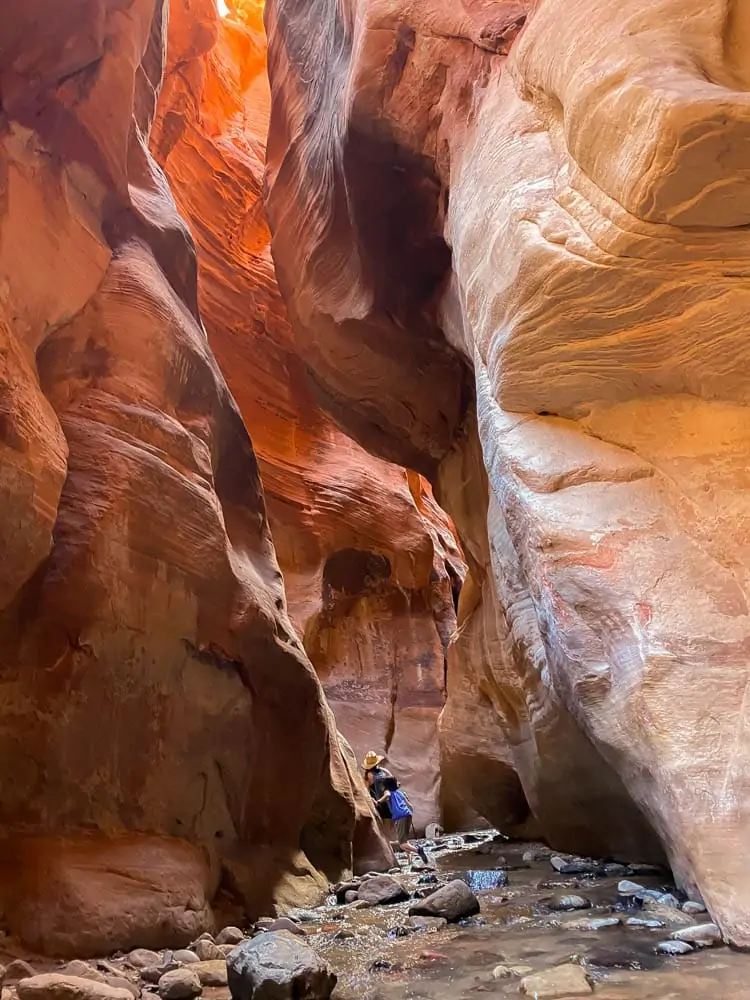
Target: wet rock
point(693, 908)
point(382, 890)
point(510, 971)
point(615, 870)
point(568, 901)
point(142, 958)
point(564, 981)
point(452, 901)
point(360, 904)
point(286, 924)
point(179, 984)
point(674, 948)
point(226, 949)
point(702, 935)
point(16, 971)
point(263, 923)
point(207, 950)
point(54, 986)
point(668, 900)
point(596, 923)
point(211, 973)
point(229, 935)
point(627, 888)
point(579, 867)
point(425, 923)
point(340, 890)
point(304, 916)
point(154, 972)
point(351, 896)
point(278, 966)
point(429, 879)
point(474, 838)
point(491, 878)
point(185, 956)
point(671, 916)
point(82, 970)
point(644, 922)
point(557, 862)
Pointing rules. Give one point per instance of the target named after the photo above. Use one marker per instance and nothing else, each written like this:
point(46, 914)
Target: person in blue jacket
point(391, 803)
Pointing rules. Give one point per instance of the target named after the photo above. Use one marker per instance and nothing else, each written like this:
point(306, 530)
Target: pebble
point(693, 908)
point(508, 971)
point(597, 923)
point(668, 900)
point(211, 973)
point(628, 888)
point(54, 986)
point(185, 956)
point(142, 958)
point(16, 971)
point(425, 923)
point(230, 935)
point(615, 870)
point(563, 981)
point(207, 950)
point(702, 935)
point(674, 948)
point(643, 922)
point(568, 901)
point(286, 924)
point(179, 984)
point(350, 896)
point(83, 971)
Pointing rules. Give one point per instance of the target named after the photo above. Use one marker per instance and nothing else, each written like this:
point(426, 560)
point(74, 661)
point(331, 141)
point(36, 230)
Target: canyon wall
point(512, 238)
point(161, 726)
point(368, 558)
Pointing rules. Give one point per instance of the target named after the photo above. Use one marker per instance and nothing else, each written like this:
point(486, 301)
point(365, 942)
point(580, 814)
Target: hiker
point(391, 803)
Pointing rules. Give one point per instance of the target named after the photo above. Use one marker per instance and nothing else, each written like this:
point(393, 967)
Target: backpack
point(400, 807)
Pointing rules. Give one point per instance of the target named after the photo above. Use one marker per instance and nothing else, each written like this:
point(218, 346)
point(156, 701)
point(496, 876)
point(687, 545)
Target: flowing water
point(375, 961)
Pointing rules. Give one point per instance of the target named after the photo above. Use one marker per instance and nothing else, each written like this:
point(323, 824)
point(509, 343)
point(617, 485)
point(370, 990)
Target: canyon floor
point(604, 947)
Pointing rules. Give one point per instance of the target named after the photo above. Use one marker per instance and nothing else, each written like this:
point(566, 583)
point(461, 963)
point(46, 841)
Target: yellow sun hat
point(371, 760)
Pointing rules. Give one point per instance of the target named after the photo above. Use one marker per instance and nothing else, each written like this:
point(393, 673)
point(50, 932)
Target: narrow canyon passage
point(372, 379)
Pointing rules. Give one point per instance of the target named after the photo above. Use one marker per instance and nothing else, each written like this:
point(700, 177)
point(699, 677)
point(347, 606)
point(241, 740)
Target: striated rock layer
point(369, 559)
point(150, 678)
point(569, 225)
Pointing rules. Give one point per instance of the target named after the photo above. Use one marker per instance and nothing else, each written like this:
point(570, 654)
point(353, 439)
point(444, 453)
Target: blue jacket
point(399, 806)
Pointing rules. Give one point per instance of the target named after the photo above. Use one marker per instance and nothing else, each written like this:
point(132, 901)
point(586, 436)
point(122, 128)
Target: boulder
point(286, 924)
point(229, 935)
point(144, 958)
point(207, 950)
point(701, 936)
point(17, 970)
point(278, 966)
point(82, 970)
point(452, 901)
point(211, 973)
point(382, 890)
point(179, 984)
point(674, 948)
point(554, 984)
point(185, 956)
point(568, 901)
point(55, 986)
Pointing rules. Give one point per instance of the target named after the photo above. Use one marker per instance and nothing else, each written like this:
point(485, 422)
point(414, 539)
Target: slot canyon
point(371, 378)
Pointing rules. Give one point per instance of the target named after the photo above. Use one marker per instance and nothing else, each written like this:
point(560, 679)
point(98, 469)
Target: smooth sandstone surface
point(554, 217)
point(150, 676)
point(369, 559)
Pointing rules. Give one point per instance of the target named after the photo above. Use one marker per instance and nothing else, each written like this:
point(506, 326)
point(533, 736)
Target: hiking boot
point(423, 855)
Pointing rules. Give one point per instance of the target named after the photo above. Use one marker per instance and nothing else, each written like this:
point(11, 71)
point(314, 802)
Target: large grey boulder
point(452, 901)
point(278, 966)
point(382, 889)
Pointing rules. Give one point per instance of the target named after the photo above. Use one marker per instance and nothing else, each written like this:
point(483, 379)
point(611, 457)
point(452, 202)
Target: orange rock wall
point(150, 678)
point(523, 226)
point(368, 558)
